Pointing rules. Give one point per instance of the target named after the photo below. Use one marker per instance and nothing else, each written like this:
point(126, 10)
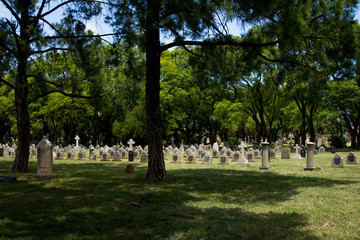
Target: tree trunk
point(156, 164)
point(22, 91)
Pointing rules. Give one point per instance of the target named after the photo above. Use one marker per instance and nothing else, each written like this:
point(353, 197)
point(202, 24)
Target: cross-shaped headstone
point(172, 140)
point(242, 146)
point(131, 142)
point(77, 140)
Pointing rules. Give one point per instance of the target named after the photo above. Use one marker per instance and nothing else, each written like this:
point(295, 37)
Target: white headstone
point(45, 159)
point(131, 142)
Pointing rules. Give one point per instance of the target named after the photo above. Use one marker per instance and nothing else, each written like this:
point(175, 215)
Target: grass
point(93, 200)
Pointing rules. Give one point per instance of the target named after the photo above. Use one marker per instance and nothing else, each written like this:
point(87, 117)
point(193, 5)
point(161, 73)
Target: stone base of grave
point(7, 179)
point(351, 163)
point(242, 163)
point(252, 160)
point(264, 168)
point(297, 157)
point(309, 168)
point(116, 160)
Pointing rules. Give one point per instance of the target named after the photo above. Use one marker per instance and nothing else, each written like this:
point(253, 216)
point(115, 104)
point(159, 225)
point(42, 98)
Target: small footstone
point(7, 179)
point(129, 169)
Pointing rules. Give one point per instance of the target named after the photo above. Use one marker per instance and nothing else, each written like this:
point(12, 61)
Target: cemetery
point(179, 120)
point(105, 194)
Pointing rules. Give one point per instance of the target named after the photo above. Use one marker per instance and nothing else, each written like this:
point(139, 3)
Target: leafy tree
point(22, 37)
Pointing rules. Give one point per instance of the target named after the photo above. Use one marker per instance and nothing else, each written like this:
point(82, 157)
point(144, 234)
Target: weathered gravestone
point(81, 154)
point(257, 154)
point(223, 160)
point(117, 157)
point(92, 156)
point(70, 154)
point(236, 156)
point(250, 156)
point(207, 159)
point(144, 158)
point(190, 159)
point(333, 149)
point(321, 150)
point(265, 156)
point(215, 153)
point(337, 161)
point(272, 154)
point(44, 159)
point(175, 158)
point(285, 153)
point(105, 156)
point(351, 158)
point(310, 157)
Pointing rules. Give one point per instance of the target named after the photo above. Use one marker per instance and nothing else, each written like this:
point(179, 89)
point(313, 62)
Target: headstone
point(105, 156)
point(223, 160)
point(321, 150)
point(190, 159)
point(144, 157)
point(250, 156)
point(117, 157)
point(257, 154)
point(242, 159)
point(333, 149)
point(236, 156)
point(265, 156)
point(297, 153)
point(70, 154)
point(276, 150)
point(272, 154)
point(131, 156)
point(303, 152)
point(45, 159)
point(351, 158)
point(175, 158)
point(207, 159)
point(216, 146)
point(172, 141)
point(77, 142)
point(215, 153)
point(337, 161)
point(92, 156)
point(285, 153)
point(310, 157)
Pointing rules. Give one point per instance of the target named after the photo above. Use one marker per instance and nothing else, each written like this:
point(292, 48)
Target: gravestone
point(207, 159)
point(44, 159)
point(265, 156)
point(131, 149)
point(321, 150)
point(250, 156)
point(351, 158)
point(276, 150)
point(92, 156)
point(81, 155)
point(70, 155)
point(303, 152)
point(236, 156)
point(175, 158)
point(131, 156)
point(272, 154)
point(144, 157)
point(215, 153)
point(242, 159)
point(190, 159)
point(117, 157)
point(223, 160)
point(333, 149)
point(257, 154)
point(105, 156)
point(77, 143)
point(285, 153)
point(310, 157)
point(337, 161)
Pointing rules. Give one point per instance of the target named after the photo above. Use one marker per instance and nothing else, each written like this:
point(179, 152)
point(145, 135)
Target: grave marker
point(223, 160)
point(285, 153)
point(351, 158)
point(44, 159)
point(310, 157)
point(265, 156)
point(337, 161)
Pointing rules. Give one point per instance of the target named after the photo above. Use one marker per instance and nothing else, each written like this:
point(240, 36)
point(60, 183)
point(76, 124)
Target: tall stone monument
point(310, 157)
point(265, 156)
point(45, 159)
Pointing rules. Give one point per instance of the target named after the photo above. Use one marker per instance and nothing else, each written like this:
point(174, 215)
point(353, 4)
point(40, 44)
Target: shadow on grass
point(93, 201)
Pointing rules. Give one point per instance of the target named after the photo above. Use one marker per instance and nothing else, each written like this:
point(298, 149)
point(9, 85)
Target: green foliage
point(338, 141)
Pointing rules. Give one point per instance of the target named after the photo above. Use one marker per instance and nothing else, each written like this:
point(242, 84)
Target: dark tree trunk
point(156, 164)
point(22, 91)
point(311, 129)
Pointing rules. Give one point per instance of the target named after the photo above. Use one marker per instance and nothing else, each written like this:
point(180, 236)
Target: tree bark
point(156, 164)
point(22, 91)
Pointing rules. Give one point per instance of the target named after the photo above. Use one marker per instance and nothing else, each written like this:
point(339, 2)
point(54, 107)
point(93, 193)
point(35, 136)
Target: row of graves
point(7, 150)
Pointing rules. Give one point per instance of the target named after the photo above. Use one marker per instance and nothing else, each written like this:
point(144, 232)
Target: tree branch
point(7, 83)
point(217, 43)
point(11, 10)
point(65, 94)
point(50, 50)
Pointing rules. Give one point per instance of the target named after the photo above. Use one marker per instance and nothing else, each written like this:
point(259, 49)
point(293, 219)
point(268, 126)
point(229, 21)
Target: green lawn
point(93, 200)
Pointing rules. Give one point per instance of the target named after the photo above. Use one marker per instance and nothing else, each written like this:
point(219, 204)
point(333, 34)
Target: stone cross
point(77, 140)
point(242, 146)
point(131, 142)
point(172, 141)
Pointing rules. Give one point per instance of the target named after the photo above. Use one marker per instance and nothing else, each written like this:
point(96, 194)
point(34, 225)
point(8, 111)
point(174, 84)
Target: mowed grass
point(93, 200)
